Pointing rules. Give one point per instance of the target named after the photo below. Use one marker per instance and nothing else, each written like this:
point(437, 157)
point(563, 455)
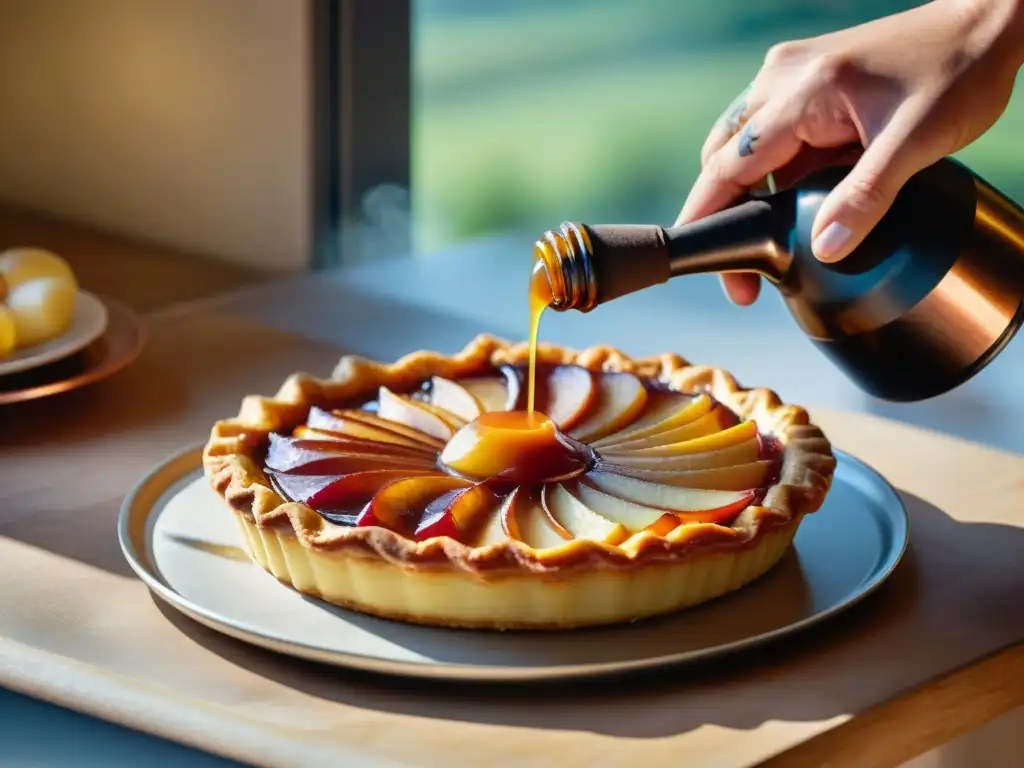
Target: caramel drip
point(540, 299)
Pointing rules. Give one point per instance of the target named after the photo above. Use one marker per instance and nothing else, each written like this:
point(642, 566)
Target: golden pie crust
point(510, 585)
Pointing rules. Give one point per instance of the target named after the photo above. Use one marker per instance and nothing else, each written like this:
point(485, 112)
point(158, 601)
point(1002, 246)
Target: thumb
point(858, 202)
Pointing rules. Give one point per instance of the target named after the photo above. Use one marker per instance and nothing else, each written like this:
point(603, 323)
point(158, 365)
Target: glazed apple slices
point(340, 456)
point(371, 426)
point(342, 493)
point(454, 398)
point(492, 392)
point(496, 392)
point(736, 477)
point(696, 443)
point(523, 518)
point(426, 418)
point(400, 504)
point(639, 504)
point(580, 521)
point(741, 453)
point(458, 514)
point(619, 399)
point(565, 394)
point(664, 412)
point(708, 424)
point(366, 426)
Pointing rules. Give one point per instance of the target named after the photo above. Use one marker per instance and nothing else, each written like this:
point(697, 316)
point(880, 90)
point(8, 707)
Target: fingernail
point(828, 245)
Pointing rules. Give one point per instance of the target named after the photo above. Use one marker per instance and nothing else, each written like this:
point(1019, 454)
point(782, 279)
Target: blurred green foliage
point(530, 112)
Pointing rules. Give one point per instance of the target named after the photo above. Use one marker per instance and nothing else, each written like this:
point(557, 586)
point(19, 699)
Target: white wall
point(179, 121)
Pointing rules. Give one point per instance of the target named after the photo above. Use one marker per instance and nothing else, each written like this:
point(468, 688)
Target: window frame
point(361, 99)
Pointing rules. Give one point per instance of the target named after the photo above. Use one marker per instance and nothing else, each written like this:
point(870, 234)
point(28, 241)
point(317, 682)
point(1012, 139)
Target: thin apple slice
point(340, 424)
point(736, 477)
point(344, 444)
point(399, 504)
point(369, 442)
point(373, 420)
point(578, 519)
point(634, 517)
point(741, 453)
point(413, 413)
point(493, 530)
point(620, 399)
point(664, 411)
point(324, 457)
point(301, 488)
point(454, 398)
point(340, 493)
point(638, 516)
point(457, 514)
point(355, 491)
point(490, 391)
point(569, 391)
point(526, 520)
point(668, 498)
point(455, 421)
point(707, 424)
point(725, 438)
point(344, 464)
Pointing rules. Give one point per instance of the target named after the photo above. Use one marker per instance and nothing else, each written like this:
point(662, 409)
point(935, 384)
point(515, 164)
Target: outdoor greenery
point(530, 112)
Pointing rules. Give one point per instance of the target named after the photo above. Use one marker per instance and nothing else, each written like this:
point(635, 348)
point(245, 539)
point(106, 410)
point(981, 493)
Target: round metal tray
point(184, 544)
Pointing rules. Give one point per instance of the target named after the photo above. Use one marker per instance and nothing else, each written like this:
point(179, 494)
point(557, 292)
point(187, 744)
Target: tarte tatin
point(402, 490)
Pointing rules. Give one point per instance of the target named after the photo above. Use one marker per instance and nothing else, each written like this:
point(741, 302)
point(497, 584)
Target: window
point(530, 112)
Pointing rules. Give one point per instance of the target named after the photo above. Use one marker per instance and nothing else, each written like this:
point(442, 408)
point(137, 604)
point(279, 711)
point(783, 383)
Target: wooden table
point(846, 695)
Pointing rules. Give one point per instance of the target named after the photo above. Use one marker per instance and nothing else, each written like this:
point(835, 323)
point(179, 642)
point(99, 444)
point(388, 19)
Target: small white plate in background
point(89, 324)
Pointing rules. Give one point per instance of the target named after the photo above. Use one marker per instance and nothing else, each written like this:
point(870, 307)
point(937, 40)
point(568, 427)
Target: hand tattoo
point(732, 118)
point(746, 140)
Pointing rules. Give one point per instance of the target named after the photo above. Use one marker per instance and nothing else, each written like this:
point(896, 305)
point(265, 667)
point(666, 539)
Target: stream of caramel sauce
point(521, 446)
point(540, 299)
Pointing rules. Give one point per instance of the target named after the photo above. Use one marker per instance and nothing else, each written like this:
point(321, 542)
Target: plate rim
point(190, 458)
point(66, 350)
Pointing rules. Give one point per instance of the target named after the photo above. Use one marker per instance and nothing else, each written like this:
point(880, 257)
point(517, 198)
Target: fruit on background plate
point(38, 292)
point(417, 491)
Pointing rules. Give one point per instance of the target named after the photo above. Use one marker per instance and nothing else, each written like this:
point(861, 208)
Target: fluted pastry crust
point(299, 546)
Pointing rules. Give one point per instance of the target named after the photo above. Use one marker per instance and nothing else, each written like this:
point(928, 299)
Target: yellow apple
point(20, 265)
point(8, 332)
point(42, 309)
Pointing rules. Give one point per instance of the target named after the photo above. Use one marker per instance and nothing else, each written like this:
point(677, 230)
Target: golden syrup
point(540, 299)
point(516, 447)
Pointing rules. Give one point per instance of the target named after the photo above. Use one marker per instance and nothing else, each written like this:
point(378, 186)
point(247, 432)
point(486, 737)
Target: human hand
point(890, 97)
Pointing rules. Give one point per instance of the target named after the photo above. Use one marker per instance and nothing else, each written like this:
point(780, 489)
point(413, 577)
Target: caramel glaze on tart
point(423, 491)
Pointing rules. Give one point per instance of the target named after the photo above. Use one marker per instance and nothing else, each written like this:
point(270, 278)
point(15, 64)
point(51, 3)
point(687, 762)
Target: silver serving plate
point(183, 542)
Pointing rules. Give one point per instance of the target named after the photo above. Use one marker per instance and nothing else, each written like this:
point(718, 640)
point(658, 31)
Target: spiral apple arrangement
point(615, 456)
point(38, 290)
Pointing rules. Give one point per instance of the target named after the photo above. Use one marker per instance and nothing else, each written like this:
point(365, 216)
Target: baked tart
point(421, 491)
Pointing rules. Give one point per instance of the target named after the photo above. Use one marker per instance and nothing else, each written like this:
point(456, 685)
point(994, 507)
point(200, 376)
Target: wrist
point(995, 27)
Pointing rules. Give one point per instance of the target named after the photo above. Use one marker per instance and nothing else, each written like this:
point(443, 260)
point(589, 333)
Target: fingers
point(860, 200)
point(742, 288)
point(766, 142)
point(731, 120)
point(810, 159)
